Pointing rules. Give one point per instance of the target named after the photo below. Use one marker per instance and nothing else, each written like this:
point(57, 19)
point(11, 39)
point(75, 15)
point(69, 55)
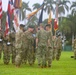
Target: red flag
point(55, 24)
point(0, 9)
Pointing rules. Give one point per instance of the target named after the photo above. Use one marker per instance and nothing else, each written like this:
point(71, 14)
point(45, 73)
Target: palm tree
point(48, 5)
point(73, 8)
point(36, 6)
point(63, 6)
point(25, 7)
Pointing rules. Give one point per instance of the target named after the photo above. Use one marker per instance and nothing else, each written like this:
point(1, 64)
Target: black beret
point(22, 25)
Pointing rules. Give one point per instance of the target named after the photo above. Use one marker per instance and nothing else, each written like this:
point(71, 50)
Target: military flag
point(34, 12)
point(8, 16)
point(7, 25)
point(17, 3)
point(55, 24)
point(16, 21)
point(41, 15)
point(0, 9)
point(50, 18)
point(10, 7)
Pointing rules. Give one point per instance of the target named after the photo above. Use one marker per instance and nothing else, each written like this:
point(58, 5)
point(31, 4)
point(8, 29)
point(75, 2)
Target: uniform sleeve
point(37, 34)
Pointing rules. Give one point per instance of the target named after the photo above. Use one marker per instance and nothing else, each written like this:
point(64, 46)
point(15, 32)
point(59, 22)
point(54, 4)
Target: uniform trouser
point(27, 55)
point(34, 53)
point(41, 55)
point(24, 55)
point(49, 55)
point(74, 53)
point(6, 54)
point(58, 54)
point(13, 54)
point(54, 54)
point(1, 50)
point(18, 59)
point(30, 56)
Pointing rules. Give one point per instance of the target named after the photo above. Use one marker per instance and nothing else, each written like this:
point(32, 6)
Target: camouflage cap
point(31, 26)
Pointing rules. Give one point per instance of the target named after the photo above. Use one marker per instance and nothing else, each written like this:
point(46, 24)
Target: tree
point(48, 5)
point(73, 8)
point(25, 7)
point(36, 6)
point(63, 6)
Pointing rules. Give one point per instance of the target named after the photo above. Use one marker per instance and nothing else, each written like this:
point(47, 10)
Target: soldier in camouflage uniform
point(50, 50)
point(59, 47)
point(6, 49)
point(27, 45)
point(74, 47)
point(18, 45)
point(41, 46)
point(54, 47)
point(13, 51)
point(1, 43)
point(34, 47)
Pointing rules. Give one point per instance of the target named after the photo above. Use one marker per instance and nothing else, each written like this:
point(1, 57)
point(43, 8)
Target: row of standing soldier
point(21, 46)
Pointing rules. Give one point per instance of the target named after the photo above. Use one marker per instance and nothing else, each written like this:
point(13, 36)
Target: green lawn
point(65, 66)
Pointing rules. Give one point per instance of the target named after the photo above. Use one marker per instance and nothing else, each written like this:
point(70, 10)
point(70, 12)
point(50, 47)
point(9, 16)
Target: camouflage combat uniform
point(1, 43)
point(74, 46)
point(13, 50)
point(54, 48)
point(59, 48)
point(34, 47)
point(50, 50)
point(27, 45)
point(6, 49)
point(18, 47)
point(42, 37)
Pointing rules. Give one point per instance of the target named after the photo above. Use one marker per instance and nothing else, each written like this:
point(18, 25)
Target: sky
point(31, 2)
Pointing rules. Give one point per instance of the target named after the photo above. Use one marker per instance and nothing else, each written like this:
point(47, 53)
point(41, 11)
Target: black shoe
point(72, 56)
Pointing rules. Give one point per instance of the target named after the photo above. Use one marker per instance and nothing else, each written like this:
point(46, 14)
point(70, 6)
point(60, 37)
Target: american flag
point(0, 9)
point(0, 13)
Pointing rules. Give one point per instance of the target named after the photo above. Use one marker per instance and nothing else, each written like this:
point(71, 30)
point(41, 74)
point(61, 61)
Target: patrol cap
point(31, 26)
point(48, 25)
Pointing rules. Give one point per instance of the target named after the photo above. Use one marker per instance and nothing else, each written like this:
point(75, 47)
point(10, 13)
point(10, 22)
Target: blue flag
point(41, 15)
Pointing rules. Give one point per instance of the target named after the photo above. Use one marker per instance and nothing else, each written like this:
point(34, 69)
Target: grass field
point(65, 66)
